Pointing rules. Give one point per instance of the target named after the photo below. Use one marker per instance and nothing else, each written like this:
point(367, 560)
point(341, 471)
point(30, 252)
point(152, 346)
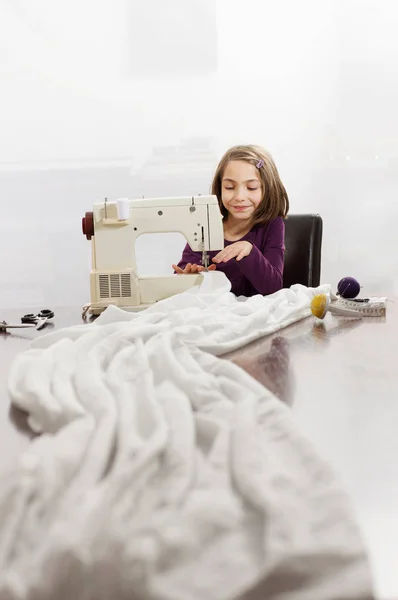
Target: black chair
point(303, 241)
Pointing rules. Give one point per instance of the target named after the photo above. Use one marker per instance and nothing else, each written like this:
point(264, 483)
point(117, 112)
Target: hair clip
point(260, 164)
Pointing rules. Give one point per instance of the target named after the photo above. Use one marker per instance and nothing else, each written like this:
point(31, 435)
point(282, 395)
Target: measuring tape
point(367, 307)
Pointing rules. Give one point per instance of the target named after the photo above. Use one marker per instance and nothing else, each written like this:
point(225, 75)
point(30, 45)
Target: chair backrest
point(303, 241)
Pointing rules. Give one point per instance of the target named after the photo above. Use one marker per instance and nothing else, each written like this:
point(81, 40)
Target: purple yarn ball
point(348, 287)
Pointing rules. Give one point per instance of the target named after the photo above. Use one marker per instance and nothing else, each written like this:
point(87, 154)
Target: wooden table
point(340, 376)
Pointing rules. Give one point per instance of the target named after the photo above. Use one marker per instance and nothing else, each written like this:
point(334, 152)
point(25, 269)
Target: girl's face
point(241, 189)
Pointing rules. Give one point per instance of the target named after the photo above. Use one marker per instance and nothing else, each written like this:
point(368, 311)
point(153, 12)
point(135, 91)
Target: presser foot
point(205, 260)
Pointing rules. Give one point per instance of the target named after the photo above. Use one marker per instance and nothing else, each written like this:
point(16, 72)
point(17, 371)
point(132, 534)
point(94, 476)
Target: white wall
point(115, 97)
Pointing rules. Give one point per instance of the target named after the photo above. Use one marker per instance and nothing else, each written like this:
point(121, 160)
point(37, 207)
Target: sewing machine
point(113, 228)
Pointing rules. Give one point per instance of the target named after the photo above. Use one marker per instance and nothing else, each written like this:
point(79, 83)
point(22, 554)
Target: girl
point(253, 202)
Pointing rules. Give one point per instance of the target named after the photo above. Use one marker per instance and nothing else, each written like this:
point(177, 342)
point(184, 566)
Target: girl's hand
point(237, 250)
point(189, 269)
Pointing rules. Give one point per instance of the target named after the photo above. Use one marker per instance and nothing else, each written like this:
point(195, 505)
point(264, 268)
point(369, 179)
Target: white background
point(116, 98)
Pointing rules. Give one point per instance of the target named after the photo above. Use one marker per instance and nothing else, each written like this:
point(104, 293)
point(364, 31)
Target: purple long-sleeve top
point(261, 272)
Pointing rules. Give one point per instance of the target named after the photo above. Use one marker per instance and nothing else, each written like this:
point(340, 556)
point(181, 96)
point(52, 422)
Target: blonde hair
point(275, 201)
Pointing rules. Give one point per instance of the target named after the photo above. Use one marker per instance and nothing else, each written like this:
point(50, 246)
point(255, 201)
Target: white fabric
point(167, 473)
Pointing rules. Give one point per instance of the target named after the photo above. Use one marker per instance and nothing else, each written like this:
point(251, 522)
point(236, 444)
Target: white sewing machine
point(113, 228)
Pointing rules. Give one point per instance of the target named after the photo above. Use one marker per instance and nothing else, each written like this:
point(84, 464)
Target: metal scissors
point(40, 319)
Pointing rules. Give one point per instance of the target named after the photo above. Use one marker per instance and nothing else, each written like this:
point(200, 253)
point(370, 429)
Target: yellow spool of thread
point(319, 305)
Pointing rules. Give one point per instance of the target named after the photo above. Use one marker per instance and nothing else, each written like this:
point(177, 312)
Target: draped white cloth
point(166, 472)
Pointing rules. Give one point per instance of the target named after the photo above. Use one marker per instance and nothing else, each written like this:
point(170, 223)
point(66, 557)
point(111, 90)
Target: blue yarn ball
point(348, 287)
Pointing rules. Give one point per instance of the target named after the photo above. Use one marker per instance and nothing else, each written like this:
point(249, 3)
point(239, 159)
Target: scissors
point(40, 319)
